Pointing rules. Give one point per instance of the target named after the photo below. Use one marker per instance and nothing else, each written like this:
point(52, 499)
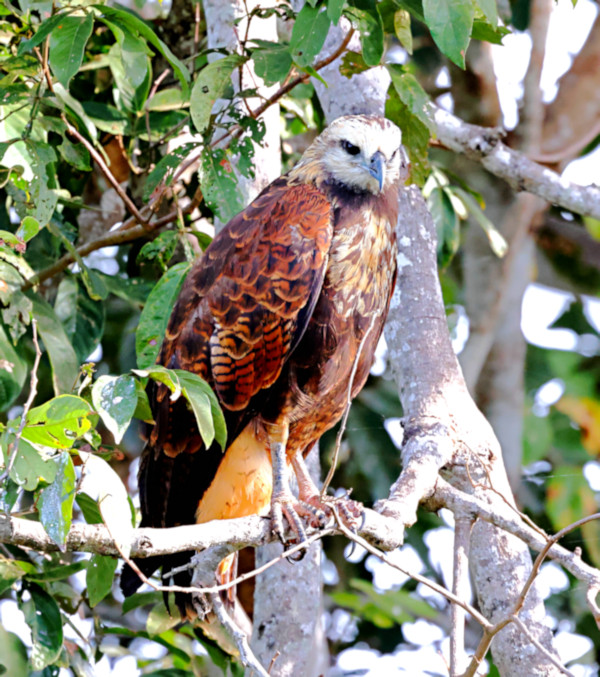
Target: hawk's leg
point(320, 507)
point(283, 501)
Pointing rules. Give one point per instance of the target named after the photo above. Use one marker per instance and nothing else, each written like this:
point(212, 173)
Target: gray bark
point(435, 399)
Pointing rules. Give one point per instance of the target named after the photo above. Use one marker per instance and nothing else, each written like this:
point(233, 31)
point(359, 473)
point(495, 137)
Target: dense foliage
point(114, 160)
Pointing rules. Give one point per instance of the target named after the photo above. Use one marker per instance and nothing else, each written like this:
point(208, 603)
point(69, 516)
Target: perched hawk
point(289, 295)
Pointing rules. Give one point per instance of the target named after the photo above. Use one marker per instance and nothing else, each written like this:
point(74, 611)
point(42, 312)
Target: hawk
point(281, 316)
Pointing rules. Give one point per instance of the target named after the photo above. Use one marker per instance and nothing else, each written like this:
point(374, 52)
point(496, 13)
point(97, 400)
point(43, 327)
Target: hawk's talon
point(280, 506)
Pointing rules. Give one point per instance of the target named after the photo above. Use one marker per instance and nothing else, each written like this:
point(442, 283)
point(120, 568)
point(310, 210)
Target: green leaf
point(13, 371)
point(159, 620)
point(486, 33)
point(10, 572)
point(272, 61)
point(142, 409)
point(55, 503)
point(202, 400)
point(75, 110)
point(155, 316)
point(413, 95)
point(65, 365)
point(134, 55)
point(30, 466)
point(75, 154)
point(211, 83)
point(415, 136)
point(308, 35)
point(89, 508)
point(43, 31)
point(100, 577)
point(67, 45)
point(450, 23)
point(58, 422)
point(43, 195)
point(131, 98)
point(43, 617)
point(13, 654)
point(132, 289)
point(573, 317)
point(17, 315)
point(165, 168)
point(115, 399)
point(160, 250)
point(130, 22)
point(489, 10)
point(497, 242)
point(167, 99)
point(57, 573)
point(141, 599)
point(366, 18)
point(160, 124)
point(446, 223)
point(220, 185)
point(82, 317)
point(335, 9)
point(28, 229)
point(403, 30)
point(205, 405)
point(105, 117)
point(91, 279)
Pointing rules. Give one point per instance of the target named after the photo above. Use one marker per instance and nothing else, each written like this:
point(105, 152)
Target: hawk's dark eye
point(350, 148)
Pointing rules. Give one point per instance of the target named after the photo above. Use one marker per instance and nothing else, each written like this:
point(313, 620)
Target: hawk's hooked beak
point(377, 167)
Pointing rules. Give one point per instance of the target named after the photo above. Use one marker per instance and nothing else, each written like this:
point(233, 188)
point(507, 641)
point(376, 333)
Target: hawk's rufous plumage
point(289, 295)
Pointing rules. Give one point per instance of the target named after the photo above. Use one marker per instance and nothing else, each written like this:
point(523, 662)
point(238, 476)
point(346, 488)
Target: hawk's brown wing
point(243, 308)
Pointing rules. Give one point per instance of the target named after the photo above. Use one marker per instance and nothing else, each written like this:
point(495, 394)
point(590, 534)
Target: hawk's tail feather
point(130, 581)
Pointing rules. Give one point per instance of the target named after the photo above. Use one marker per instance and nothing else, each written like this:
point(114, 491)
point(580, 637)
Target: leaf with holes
point(220, 184)
point(115, 399)
point(308, 35)
point(58, 422)
point(211, 84)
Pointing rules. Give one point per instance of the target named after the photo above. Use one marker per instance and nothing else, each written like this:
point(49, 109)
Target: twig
point(460, 588)
point(235, 130)
point(239, 637)
point(540, 647)
point(43, 59)
point(110, 177)
point(338, 439)
point(155, 86)
point(33, 383)
point(417, 577)
point(196, 27)
point(543, 554)
point(221, 587)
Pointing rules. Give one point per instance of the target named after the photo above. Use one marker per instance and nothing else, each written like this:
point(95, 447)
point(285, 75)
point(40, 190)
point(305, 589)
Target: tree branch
point(484, 145)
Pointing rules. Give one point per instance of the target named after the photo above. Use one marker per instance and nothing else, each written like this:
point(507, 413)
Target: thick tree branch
point(147, 542)
point(484, 145)
point(443, 423)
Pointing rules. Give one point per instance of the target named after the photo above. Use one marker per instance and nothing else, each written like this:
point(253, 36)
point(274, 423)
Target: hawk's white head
point(361, 152)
